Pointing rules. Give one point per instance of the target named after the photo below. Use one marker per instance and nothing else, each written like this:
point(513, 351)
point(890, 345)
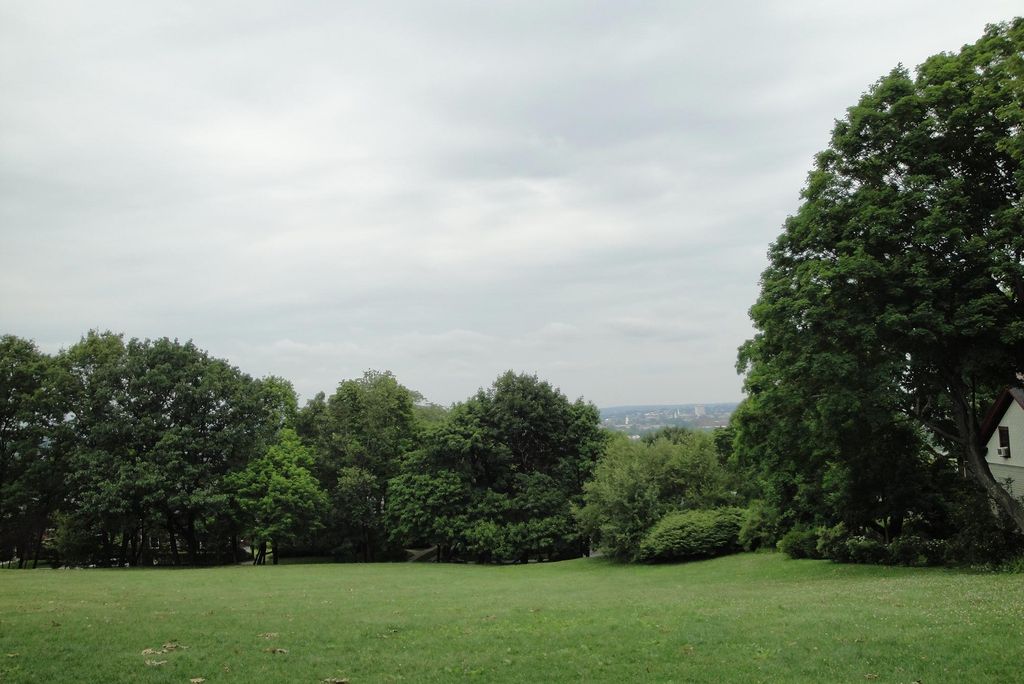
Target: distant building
point(700, 411)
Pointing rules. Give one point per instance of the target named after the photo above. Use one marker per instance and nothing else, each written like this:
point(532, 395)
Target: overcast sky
point(582, 190)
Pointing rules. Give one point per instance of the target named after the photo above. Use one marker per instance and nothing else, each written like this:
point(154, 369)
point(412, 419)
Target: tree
point(897, 289)
point(32, 467)
point(519, 453)
point(429, 509)
point(359, 435)
point(636, 484)
point(106, 483)
point(156, 426)
point(279, 496)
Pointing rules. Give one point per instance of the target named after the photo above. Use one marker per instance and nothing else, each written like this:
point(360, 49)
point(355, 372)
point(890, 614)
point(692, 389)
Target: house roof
point(998, 410)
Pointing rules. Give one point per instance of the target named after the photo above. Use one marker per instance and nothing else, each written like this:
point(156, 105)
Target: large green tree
point(897, 289)
point(156, 427)
point(517, 455)
point(360, 435)
point(280, 499)
point(32, 463)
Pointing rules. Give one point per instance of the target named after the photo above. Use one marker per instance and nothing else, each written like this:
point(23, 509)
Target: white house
point(1003, 433)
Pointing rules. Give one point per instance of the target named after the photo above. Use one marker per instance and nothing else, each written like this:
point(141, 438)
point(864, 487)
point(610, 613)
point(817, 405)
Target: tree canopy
point(516, 455)
point(896, 292)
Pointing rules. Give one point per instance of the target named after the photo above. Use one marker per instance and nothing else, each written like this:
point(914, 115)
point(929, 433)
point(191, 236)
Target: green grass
point(742, 618)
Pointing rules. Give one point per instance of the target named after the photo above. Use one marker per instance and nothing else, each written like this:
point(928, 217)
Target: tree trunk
point(193, 544)
point(276, 549)
point(122, 557)
point(173, 541)
point(974, 454)
point(108, 548)
point(39, 545)
point(133, 556)
point(145, 558)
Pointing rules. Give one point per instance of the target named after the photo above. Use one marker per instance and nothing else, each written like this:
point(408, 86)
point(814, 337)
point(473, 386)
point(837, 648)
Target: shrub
point(936, 551)
point(1013, 565)
point(686, 535)
point(976, 535)
point(760, 527)
point(800, 542)
point(863, 549)
point(832, 543)
point(636, 484)
point(908, 549)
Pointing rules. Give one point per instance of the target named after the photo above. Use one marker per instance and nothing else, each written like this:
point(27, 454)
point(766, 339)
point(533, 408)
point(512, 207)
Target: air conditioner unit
point(1004, 452)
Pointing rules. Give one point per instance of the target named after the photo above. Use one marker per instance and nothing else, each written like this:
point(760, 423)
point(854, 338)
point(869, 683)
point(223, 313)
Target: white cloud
point(444, 190)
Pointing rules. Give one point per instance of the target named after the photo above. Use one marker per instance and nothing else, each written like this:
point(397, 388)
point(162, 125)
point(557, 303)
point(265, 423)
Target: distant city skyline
point(643, 419)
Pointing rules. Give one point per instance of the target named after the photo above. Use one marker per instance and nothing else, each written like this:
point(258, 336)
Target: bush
point(866, 550)
point(975, 534)
point(760, 527)
point(1013, 565)
point(686, 535)
point(832, 543)
point(800, 542)
point(908, 550)
point(936, 551)
point(636, 484)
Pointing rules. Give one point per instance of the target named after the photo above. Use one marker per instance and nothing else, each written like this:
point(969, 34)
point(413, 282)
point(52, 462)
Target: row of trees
point(111, 448)
point(135, 452)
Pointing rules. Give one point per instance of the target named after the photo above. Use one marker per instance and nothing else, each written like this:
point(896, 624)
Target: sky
point(446, 190)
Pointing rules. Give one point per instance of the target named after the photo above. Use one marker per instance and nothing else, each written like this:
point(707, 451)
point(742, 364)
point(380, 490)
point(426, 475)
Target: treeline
point(143, 452)
point(137, 452)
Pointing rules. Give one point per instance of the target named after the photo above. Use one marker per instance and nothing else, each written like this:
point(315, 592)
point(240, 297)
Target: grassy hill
point(742, 618)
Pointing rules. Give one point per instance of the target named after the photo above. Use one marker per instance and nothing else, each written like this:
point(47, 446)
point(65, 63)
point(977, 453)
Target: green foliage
point(976, 535)
point(832, 543)
point(891, 308)
point(281, 400)
point(800, 542)
point(636, 484)
point(360, 435)
point(909, 550)
point(688, 535)
point(280, 500)
point(429, 415)
point(33, 464)
point(761, 527)
point(520, 453)
point(1013, 566)
point(428, 509)
point(861, 549)
point(74, 540)
point(624, 500)
point(154, 427)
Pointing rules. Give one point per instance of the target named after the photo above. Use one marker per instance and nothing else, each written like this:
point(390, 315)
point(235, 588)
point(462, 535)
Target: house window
point(1004, 441)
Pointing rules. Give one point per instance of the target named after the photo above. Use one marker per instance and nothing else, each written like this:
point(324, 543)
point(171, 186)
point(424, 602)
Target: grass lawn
point(741, 618)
